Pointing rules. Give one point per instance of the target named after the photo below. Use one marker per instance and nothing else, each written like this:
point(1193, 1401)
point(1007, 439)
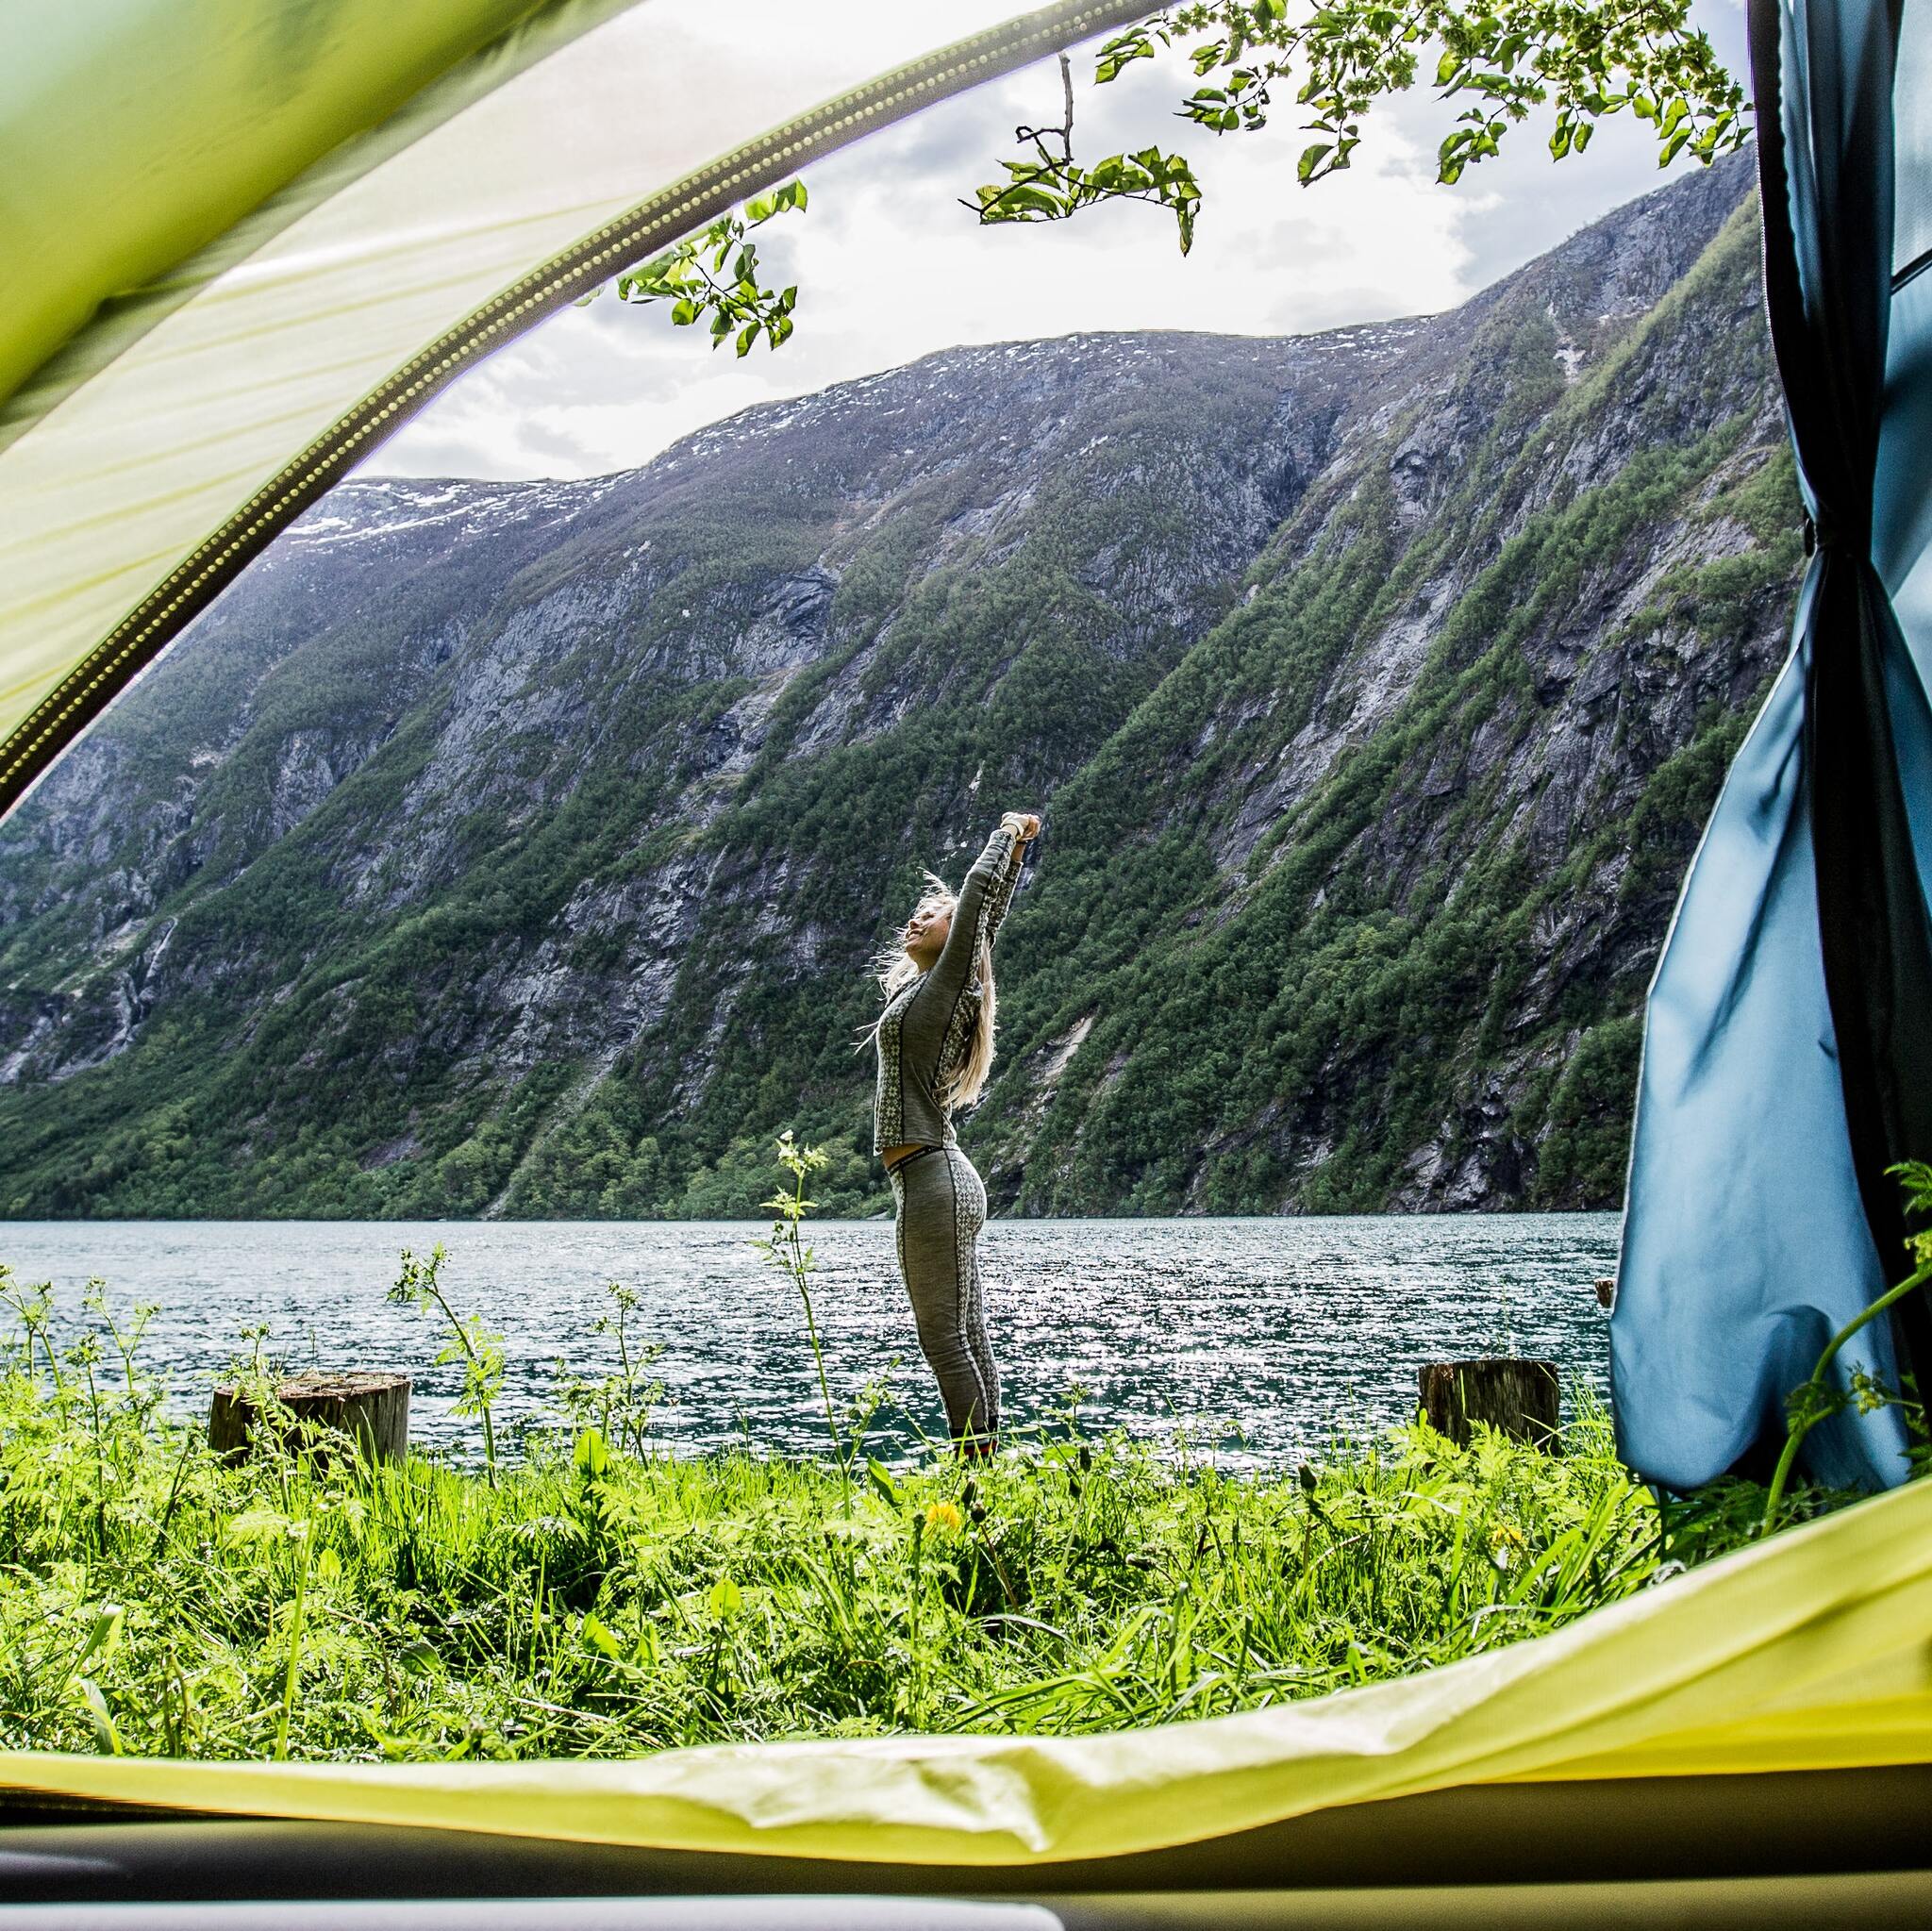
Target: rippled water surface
point(1260, 1333)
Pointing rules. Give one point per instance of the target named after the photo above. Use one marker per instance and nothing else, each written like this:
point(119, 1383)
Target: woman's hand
point(1024, 826)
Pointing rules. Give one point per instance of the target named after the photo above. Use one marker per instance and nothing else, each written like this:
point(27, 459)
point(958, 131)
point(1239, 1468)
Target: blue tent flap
point(1788, 1049)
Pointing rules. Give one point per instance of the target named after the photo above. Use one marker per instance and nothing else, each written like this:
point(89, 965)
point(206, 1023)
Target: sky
point(890, 267)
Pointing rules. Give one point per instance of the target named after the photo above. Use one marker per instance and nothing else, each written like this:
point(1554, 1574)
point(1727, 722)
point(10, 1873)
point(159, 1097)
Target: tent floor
point(1790, 1847)
point(1891, 1902)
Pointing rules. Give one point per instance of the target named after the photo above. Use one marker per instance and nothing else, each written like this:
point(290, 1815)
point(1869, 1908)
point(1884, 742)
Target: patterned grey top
point(925, 1028)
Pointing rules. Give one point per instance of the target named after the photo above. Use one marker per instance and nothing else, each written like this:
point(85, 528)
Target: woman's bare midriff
point(892, 1153)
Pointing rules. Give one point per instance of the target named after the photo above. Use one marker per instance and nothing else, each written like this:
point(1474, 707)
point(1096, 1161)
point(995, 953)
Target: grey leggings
point(941, 1208)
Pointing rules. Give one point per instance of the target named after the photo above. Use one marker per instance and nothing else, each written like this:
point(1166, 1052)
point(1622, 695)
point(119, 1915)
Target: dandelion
point(942, 1515)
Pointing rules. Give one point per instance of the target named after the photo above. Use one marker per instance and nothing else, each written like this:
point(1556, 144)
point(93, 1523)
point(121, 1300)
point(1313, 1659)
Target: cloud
point(890, 267)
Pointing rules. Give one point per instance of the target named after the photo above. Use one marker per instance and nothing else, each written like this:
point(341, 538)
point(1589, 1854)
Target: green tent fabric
point(119, 170)
point(203, 401)
point(233, 301)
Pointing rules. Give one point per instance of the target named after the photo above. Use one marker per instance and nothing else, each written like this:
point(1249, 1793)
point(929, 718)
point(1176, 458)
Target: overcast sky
point(890, 267)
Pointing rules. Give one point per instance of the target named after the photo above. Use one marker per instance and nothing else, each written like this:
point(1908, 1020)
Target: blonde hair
point(895, 968)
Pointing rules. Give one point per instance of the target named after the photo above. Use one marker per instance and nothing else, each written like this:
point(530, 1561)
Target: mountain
point(518, 848)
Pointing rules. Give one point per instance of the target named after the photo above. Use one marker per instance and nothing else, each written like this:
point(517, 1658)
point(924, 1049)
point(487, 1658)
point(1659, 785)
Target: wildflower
point(1311, 1484)
point(941, 1515)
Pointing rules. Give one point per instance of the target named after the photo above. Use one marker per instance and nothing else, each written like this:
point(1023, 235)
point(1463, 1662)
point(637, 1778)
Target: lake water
point(1260, 1334)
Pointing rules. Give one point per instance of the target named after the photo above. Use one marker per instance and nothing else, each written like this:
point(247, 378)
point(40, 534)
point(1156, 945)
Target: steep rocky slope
point(518, 848)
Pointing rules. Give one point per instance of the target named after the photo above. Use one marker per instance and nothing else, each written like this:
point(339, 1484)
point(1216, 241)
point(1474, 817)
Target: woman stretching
point(934, 1042)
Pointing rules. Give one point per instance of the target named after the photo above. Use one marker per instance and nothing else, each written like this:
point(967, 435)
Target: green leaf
point(591, 1455)
point(258, 1524)
point(1311, 159)
point(104, 1634)
point(601, 1638)
point(880, 1477)
point(1116, 53)
point(105, 1732)
point(1019, 200)
point(725, 1598)
point(386, 1740)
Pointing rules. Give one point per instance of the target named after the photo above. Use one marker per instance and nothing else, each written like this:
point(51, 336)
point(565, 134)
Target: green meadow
point(595, 1595)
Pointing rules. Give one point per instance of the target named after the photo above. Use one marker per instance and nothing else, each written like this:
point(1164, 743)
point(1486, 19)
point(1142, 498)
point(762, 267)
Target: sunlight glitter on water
point(1263, 1334)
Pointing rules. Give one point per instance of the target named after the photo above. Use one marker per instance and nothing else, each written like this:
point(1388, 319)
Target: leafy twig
point(1590, 58)
point(786, 1249)
point(478, 1348)
point(716, 274)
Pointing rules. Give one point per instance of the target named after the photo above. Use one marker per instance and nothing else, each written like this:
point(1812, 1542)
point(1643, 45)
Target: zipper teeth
point(656, 222)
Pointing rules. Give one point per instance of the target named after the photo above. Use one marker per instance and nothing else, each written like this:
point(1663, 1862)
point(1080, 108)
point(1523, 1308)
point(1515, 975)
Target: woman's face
point(924, 937)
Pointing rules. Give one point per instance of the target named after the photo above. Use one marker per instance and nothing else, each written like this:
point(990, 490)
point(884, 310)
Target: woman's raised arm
point(983, 901)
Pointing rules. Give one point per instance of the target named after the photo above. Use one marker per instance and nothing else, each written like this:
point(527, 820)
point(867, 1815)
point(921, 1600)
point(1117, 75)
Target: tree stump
point(370, 1410)
point(1519, 1397)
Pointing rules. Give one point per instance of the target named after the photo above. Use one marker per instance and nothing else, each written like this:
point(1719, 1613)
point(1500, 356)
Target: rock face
point(519, 848)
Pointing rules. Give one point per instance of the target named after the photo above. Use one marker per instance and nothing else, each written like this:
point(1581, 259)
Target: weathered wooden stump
point(1521, 1398)
point(370, 1410)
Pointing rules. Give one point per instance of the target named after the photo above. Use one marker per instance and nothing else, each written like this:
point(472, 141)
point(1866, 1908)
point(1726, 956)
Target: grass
point(598, 1597)
point(154, 1600)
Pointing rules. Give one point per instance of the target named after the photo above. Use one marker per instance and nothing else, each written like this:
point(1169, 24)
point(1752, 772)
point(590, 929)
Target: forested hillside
point(517, 848)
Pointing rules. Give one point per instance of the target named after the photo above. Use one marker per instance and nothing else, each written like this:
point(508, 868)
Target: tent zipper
point(653, 225)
